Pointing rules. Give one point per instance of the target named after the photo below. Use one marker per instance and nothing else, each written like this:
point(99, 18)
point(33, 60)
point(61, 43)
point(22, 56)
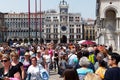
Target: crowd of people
point(21, 61)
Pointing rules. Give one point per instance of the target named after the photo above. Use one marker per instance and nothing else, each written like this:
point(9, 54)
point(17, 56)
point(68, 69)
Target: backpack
point(44, 74)
point(92, 76)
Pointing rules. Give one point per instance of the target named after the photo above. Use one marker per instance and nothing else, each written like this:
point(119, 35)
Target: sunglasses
point(4, 60)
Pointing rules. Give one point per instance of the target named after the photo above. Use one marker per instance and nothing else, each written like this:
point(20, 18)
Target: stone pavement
point(54, 75)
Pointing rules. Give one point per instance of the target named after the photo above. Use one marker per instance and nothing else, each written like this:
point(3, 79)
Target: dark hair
point(34, 58)
point(85, 53)
point(70, 74)
point(102, 63)
point(115, 56)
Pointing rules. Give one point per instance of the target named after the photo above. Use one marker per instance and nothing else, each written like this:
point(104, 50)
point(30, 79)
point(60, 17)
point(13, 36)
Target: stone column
point(118, 42)
point(117, 26)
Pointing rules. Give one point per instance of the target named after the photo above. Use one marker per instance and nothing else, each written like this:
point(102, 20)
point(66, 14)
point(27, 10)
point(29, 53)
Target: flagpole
point(40, 22)
point(36, 17)
point(29, 19)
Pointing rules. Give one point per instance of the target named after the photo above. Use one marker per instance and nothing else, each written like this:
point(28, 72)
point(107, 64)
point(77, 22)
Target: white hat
point(31, 52)
point(27, 53)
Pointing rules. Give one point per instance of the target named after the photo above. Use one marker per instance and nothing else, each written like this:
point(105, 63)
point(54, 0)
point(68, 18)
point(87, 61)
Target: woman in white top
point(47, 59)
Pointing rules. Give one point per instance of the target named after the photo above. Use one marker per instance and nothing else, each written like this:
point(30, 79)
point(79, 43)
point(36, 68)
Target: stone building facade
point(3, 29)
point(89, 30)
point(58, 27)
point(108, 23)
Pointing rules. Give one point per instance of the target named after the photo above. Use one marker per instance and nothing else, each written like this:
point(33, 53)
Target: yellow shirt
point(101, 71)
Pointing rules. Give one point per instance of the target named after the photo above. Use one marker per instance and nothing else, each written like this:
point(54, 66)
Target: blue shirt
point(83, 71)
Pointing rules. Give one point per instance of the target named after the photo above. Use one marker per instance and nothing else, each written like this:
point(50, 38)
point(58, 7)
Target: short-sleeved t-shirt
point(10, 73)
point(112, 74)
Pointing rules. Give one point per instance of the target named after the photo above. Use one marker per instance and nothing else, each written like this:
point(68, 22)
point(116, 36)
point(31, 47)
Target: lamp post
point(29, 19)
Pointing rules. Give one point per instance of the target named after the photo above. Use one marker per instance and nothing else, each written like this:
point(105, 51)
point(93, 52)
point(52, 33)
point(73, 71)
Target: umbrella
point(88, 42)
point(79, 42)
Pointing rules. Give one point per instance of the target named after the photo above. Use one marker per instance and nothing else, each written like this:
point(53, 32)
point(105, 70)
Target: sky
point(85, 7)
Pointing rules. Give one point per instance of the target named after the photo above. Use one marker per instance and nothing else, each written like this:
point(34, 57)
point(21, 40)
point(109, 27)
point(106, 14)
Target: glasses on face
point(4, 60)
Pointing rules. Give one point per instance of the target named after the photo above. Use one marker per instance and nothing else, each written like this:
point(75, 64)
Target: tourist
point(113, 73)
point(83, 70)
point(33, 70)
point(70, 74)
point(8, 71)
point(101, 69)
point(18, 65)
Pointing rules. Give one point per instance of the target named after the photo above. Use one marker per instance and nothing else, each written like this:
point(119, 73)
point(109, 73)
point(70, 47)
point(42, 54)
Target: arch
point(110, 26)
point(110, 14)
point(111, 7)
point(63, 39)
point(10, 42)
point(47, 41)
point(36, 40)
point(42, 41)
point(15, 40)
point(20, 40)
point(25, 40)
point(110, 23)
point(55, 41)
point(31, 40)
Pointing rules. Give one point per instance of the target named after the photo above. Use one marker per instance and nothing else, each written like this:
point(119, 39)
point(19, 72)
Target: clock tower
point(63, 8)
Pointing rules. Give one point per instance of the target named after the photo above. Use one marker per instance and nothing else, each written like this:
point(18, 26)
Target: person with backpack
point(36, 71)
point(33, 72)
point(72, 59)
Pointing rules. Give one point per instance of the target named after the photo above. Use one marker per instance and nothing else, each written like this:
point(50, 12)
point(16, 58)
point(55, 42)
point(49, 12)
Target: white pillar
point(117, 27)
point(118, 43)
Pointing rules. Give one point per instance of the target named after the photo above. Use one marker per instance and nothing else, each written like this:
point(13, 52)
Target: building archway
point(20, 40)
point(63, 39)
point(10, 42)
point(36, 40)
point(31, 40)
point(42, 41)
point(25, 40)
point(15, 40)
point(106, 9)
point(110, 27)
